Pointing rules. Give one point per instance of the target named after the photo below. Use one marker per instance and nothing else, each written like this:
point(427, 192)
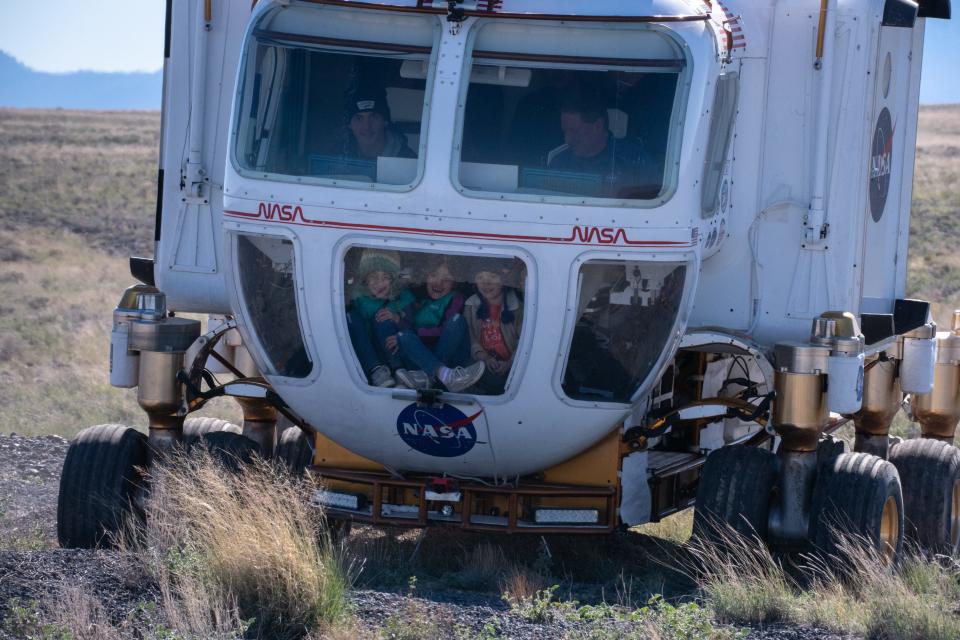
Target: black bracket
point(429, 397)
point(455, 12)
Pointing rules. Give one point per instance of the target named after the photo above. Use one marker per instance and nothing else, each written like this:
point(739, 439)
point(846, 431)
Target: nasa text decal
point(881, 159)
point(444, 432)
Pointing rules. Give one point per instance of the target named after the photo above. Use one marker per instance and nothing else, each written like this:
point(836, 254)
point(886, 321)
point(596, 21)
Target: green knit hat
point(378, 260)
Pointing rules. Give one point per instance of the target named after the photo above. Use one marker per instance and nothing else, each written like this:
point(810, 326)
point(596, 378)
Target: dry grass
point(232, 555)
point(77, 195)
point(54, 325)
point(246, 546)
point(56, 302)
point(675, 529)
point(521, 584)
point(855, 592)
point(89, 172)
point(82, 616)
point(934, 263)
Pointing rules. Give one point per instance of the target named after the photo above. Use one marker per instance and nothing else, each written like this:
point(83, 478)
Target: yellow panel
point(595, 467)
point(330, 454)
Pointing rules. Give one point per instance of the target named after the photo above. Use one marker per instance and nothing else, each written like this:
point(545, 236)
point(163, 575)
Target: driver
point(590, 148)
point(370, 132)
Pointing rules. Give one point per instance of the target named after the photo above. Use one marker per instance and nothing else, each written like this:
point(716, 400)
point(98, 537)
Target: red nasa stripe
point(588, 236)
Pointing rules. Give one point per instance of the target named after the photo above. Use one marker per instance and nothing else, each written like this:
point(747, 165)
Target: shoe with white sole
point(412, 379)
point(460, 378)
point(380, 377)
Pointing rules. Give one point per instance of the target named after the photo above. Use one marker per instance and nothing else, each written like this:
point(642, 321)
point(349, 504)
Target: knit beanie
point(510, 270)
point(378, 260)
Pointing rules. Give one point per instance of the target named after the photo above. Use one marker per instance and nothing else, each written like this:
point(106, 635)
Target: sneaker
point(459, 378)
point(412, 379)
point(380, 377)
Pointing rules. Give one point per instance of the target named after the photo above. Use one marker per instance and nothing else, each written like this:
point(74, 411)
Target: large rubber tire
point(101, 475)
point(930, 476)
point(295, 450)
point(734, 494)
point(195, 428)
point(232, 450)
point(855, 497)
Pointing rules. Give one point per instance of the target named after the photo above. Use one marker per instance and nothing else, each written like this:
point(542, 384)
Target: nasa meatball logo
point(881, 159)
point(444, 432)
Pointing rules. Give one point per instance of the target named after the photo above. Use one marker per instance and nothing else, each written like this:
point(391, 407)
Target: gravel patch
point(29, 483)
point(40, 576)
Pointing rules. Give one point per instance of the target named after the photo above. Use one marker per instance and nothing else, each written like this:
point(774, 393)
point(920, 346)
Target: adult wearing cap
point(371, 135)
point(623, 166)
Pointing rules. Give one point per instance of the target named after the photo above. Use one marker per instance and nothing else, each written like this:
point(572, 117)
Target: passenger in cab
point(379, 307)
point(438, 344)
point(495, 316)
point(590, 148)
point(370, 132)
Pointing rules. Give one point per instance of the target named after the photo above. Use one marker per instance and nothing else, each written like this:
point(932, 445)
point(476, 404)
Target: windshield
point(580, 113)
point(339, 99)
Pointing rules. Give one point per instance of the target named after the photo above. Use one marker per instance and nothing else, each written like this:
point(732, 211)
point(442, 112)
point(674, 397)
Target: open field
point(77, 197)
point(933, 271)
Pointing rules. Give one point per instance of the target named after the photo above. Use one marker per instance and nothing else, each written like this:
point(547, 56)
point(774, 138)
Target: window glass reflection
point(426, 320)
point(591, 119)
point(332, 107)
point(626, 311)
point(266, 267)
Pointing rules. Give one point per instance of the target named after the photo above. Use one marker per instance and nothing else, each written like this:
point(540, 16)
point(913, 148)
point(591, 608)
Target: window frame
point(726, 104)
point(338, 274)
point(251, 41)
point(251, 339)
point(688, 259)
point(674, 139)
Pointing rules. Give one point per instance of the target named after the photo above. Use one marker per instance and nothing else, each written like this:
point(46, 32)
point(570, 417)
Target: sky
point(127, 35)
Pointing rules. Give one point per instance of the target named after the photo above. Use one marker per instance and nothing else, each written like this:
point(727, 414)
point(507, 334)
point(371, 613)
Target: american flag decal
point(730, 22)
point(490, 6)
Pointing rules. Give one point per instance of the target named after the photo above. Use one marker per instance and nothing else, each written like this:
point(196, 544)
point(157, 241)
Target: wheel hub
point(955, 515)
point(890, 526)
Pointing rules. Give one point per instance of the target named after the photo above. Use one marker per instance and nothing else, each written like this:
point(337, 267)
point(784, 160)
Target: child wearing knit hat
point(380, 306)
point(438, 344)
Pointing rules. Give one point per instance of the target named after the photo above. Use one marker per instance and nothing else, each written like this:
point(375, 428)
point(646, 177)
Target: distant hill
point(21, 86)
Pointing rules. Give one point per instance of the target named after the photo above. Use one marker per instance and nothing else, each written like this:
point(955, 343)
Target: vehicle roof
point(657, 9)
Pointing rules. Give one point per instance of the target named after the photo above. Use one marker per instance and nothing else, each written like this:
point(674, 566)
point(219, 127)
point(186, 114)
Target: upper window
point(570, 112)
point(337, 96)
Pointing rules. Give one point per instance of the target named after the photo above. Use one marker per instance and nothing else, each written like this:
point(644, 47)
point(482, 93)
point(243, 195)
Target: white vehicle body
point(786, 193)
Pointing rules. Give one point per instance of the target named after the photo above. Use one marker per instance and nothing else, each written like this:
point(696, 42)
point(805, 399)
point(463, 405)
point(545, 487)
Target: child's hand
point(391, 343)
point(496, 365)
point(385, 315)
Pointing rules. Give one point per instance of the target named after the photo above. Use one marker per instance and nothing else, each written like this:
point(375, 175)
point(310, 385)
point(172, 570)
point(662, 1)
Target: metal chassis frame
point(470, 491)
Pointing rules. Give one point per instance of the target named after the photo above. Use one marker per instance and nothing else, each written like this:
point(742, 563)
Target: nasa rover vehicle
point(543, 266)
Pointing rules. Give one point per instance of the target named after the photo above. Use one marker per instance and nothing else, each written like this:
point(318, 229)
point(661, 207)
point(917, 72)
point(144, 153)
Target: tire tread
point(98, 478)
point(928, 469)
point(734, 490)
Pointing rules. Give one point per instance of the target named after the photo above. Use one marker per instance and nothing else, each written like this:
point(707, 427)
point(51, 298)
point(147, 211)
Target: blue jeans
point(451, 350)
point(368, 338)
